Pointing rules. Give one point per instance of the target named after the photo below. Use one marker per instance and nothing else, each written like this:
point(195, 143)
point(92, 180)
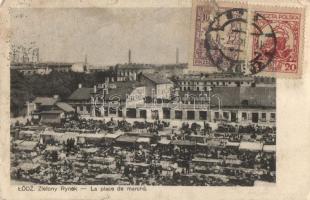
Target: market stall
point(251, 146)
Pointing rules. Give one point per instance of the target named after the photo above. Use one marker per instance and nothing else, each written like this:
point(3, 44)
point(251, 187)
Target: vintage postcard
point(154, 100)
point(246, 38)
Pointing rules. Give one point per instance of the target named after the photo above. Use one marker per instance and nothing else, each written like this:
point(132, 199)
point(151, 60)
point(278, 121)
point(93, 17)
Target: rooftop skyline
point(104, 34)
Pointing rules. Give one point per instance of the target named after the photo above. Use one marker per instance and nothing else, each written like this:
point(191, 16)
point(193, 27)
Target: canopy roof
point(164, 141)
point(269, 148)
point(138, 164)
point(28, 166)
point(125, 138)
point(110, 176)
point(27, 132)
point(92, 135)
point(112, 135)
point(232, 144)
point(53, 148)
point(183, 143)
point(207, 160)
point(90, 150)
point(251, 146)
point(143, 140)
point(26, 145)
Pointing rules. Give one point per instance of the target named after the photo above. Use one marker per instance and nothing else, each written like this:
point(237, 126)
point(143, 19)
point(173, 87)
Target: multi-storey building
point(205, 82)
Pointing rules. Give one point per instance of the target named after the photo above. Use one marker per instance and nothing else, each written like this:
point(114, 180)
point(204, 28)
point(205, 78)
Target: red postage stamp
point(245, 39)
point(287, 28)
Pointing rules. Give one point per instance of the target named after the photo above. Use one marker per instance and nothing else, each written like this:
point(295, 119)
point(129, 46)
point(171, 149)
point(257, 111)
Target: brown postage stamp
point(247, 39)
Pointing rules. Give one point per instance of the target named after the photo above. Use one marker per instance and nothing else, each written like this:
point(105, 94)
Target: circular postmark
point(238, 42)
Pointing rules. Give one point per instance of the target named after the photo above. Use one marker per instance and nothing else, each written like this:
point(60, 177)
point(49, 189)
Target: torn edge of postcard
point(248, 39)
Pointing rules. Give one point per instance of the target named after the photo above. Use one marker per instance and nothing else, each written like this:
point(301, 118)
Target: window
point(225, 115)
point(272, 117)
point(263, 117)
point(178, 114)
point(244, 116)
point(217, 115)
point(202, 115)
point(190, 115)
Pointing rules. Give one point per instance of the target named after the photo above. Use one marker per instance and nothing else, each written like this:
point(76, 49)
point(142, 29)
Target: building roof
point(42, 64)
point(52, 112)
point(81, 94)
point(45, 101)
point(157, 78)
point(65, 107)
point(121, 90)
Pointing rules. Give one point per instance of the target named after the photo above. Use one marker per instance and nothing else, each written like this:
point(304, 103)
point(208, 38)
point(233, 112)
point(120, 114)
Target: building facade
point(243, 105)
point(157, 86)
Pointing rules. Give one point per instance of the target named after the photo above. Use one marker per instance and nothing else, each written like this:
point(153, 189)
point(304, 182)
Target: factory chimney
point(129, 56)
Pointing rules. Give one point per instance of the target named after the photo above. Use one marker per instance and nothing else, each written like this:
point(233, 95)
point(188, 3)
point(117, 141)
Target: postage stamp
point(246, 39)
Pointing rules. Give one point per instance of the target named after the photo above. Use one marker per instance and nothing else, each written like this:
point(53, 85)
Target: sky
point(104, 34)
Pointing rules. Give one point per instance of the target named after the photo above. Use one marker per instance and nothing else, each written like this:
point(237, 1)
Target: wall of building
point(149, 86)
point(164, 90)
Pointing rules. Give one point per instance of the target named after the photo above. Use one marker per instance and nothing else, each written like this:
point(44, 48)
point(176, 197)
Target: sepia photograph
point(108, 96)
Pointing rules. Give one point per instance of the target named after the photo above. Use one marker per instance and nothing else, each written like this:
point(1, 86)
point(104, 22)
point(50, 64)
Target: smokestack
point(177, 56)
point(129, 56)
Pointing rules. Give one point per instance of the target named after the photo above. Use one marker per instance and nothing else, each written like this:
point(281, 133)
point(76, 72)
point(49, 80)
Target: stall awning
point(164, 141)
point(127, 139)
point(90, 150)
point(211, 143)
point(232, 144)
point(48, 133)
point(233, 162)
point(27, 132)
point(269, 148)
point(143, 140)
point(99, 136)
point(26, 145)
point(208, 160)
point(53, 148)
point(28, 166)
point(108, 176)
point(138, 164)
point(251, 146)
point(112, 135)
point(183, 143)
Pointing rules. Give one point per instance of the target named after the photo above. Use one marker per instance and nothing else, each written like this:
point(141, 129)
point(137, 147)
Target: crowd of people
point(194, 155)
